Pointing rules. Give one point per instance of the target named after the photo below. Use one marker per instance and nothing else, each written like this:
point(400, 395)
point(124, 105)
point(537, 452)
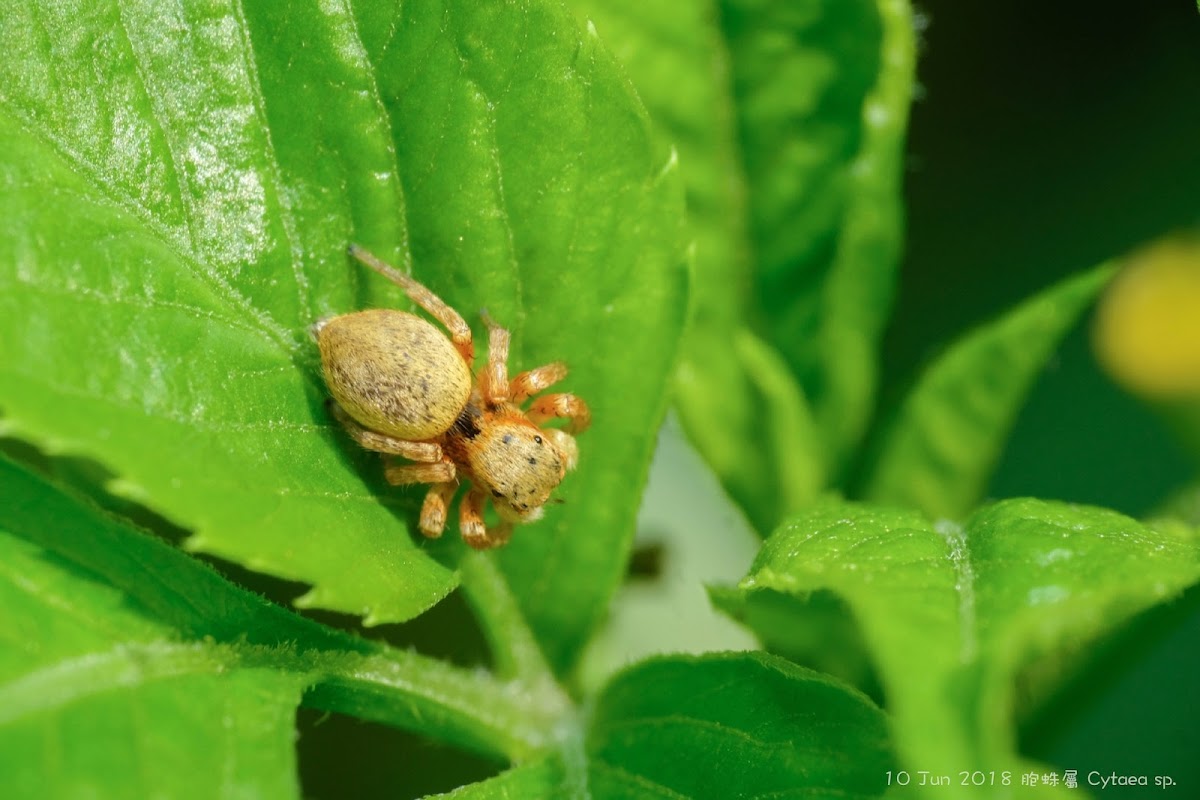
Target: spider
point(401, 388)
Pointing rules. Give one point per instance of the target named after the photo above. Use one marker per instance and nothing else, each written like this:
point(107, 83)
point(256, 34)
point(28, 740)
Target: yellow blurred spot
point(1147, 332)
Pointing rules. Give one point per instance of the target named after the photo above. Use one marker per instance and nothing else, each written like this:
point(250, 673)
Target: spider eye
point(537, 439)
point(497, 493)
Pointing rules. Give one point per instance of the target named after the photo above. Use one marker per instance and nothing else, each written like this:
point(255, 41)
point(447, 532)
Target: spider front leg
point(570, 408)
point(460, 332)
point(474, 530)
point(562, 406)
point(404, 474)
point(433, 510)
point(493, 380)
point(529, 383)
point(426, 452)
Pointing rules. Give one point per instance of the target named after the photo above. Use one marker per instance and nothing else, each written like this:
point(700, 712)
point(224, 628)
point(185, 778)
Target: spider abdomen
point(394, 373)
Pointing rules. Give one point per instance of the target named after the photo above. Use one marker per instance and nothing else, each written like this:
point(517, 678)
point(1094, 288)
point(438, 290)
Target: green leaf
point(734, 725)
point(98, 700)
point(714, 726)
point(752, 424)
point(577, 248)
point(164, 583)
point(829, 640)
point(504, 717)
point(822, 95)
point(790, 441)
point(537, 780)
point(178, 189)
point(744, 411)
point(155, 289)
point(939, 451)
point(952, 617)
point(127, 582)
point(676, 56)
point(788, 120)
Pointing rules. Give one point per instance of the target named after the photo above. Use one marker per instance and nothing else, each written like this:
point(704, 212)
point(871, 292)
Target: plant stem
point(521, 713)
point(469, 708)
point(515, 651)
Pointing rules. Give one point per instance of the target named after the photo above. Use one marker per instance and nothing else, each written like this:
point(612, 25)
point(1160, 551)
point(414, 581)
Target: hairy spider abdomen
point(394, 373)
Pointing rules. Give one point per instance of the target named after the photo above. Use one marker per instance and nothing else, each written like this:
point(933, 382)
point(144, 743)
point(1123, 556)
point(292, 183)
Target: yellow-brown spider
point(400, 387)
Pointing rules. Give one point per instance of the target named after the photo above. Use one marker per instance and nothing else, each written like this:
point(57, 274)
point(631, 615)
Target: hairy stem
point(464, 707)
point(516, 712)
point(515, 651)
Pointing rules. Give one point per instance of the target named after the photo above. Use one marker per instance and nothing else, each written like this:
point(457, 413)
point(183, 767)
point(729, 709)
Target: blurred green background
point(1048, 137)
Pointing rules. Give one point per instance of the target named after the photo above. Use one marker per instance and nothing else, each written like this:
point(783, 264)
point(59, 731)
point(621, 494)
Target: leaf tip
point(310, 599)
point(129, 490)
point(670, 166)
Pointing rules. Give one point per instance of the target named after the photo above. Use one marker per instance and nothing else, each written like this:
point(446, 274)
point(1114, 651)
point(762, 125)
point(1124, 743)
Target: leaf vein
point(124, 666)
point(286, 213)
point(129, 205)
point(639, 780)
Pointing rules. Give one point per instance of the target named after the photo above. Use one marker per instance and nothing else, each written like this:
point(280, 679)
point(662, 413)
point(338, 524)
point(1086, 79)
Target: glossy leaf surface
point(98, 700)
point(178, 189)
point(769, 729)
point(189, 602)
point(951, 617)
point(789, 122)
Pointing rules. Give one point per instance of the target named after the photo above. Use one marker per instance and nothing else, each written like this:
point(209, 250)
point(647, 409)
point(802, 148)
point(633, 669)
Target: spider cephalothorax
point(401, 387)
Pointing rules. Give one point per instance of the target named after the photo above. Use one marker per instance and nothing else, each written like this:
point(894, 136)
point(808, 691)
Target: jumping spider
point(400, 387)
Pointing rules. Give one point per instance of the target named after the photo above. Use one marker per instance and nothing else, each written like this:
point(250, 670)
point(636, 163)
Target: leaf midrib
point(124, 666)
point(959, 554)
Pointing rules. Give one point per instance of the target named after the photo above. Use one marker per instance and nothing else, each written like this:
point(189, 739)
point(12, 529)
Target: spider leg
point(529, 383)
point(460, 332)
point(500, 534)
point(470, 519)
point(493, 380)
point(404, 474)
point(474, 531)
point(566, 445)
point(426, 452)
point(433, 510)
point(565, 406)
